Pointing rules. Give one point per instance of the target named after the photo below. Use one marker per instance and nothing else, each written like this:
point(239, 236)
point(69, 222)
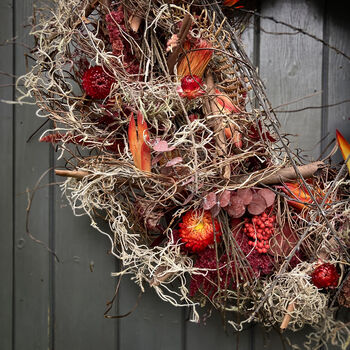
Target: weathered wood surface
point(6, 183)
point(46, 304)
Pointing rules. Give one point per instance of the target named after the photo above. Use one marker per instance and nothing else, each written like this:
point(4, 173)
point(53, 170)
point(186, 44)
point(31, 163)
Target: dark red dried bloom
point(97, 83)
point(191, 87)
point(120, 46)
point(325, 275)
point(209, 284)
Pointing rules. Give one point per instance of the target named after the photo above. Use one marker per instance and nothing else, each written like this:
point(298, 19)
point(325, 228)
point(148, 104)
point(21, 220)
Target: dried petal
point(236, 209)
point(246, 194)
point(225, 198)
point(209, 201)
point(174, 161)
point(215, 210)
point(268, 195)
point(258, 205)
point(161, 146)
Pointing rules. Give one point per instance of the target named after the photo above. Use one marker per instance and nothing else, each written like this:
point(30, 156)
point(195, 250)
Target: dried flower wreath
point(168, 134)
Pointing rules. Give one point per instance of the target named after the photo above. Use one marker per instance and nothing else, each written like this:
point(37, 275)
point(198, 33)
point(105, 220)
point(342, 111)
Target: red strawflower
point(197, 231)
point(97, 83)
point(325, 275)
point(191, 87)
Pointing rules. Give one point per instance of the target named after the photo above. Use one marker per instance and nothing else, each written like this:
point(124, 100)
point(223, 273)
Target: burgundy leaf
point(282, 243)
point(225, 198)
point(256, 131)
point(209, 201)
point(174, 161)
point(258, 205)
point(156, 159)
point(268, 195)
point(236, 209)
point(246, 194)
point(215, 210)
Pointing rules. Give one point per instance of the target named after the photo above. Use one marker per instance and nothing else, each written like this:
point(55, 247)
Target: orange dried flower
point(197, 231)
point(195, 62)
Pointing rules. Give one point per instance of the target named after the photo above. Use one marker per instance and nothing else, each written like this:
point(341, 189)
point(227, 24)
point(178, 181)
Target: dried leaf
point(161, 146)
point(236, 209)
point(139, 149)
point(282, 243)
point(174, 161)
point(246, 194)
point(209, 201)
point(157, 158)
point(258, 205)
point(225, 198)
point(344, 147)
point(268, 195)
point(215, 210)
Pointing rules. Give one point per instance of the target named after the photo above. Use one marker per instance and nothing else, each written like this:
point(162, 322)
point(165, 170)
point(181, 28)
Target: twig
point(219, 130)
point(77, 174)
point(287, 174)
point(185, 27)
point(288, 316)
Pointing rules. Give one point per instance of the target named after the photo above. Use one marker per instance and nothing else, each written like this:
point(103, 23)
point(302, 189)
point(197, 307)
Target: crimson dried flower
point(325, 275)
point(191, 87)
point(97, 83)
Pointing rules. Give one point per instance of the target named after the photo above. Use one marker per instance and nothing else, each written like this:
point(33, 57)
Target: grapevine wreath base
point(167, 134)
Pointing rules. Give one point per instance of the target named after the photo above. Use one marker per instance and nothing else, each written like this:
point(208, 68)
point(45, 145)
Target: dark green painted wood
point(210, 334)
point(31, 295)
point(153, 325)
point(83, 283)
point(6, 176)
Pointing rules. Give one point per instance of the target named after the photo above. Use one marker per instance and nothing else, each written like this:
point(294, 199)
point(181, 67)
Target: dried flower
point(325, 275)
point(97, 83)
point(209, 283)
point(191, 87)
point(197, 231)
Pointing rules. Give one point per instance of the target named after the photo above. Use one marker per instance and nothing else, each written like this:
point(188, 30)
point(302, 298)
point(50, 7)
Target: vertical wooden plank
point(31, 302)
point(291, 67)
point(338, 74)
point(6, 184)
point(212, 335)
point(83, 283)
point(153, 325)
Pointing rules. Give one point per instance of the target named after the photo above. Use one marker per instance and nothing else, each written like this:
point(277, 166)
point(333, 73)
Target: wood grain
point(291, 67)
point(6, 183)
point(32, 312)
